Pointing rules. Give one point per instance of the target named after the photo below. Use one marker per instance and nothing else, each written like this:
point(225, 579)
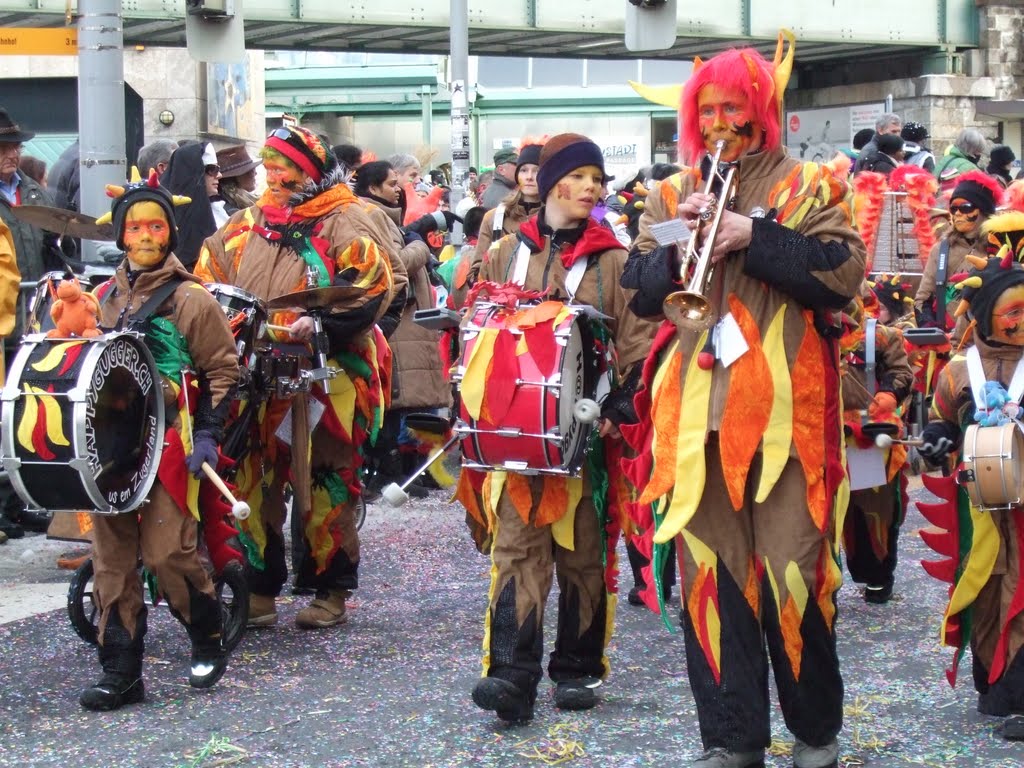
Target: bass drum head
point(579, 380)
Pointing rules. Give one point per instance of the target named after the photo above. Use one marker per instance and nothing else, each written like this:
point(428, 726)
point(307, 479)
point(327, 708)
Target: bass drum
point(83, 423)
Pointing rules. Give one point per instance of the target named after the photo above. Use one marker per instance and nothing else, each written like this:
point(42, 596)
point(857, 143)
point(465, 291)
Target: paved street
point(391, 688)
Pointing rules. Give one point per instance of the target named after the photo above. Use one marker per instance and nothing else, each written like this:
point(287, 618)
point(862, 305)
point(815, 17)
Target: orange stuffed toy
point(74, 312)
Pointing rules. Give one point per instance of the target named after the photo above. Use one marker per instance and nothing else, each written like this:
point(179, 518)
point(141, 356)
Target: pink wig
point(744, 70)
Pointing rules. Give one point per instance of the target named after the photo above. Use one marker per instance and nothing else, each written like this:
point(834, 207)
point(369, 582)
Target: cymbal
point(316, 298)
point(64, 222)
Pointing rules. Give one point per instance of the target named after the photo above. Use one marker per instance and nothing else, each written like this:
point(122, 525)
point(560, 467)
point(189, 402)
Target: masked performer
point(153, 292)
point(542, 524)
point(745, 412)
point(983, 547)
point(872, 524)
point(309, 231)
point(974, 199)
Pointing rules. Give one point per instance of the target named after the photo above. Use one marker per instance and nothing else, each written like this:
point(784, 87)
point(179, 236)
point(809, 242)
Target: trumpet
point(690, 309)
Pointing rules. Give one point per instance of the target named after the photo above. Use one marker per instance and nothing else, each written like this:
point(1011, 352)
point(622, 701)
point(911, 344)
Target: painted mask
point(1008, 317)
point(147, 234)
point(727, 115)
point(283, 180)
point(578, 192)
point(965, 214)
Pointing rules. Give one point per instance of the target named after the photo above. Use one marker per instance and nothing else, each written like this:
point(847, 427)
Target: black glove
point(412, 237)
point(204, 449)
point(939, 438)
point(431, 222)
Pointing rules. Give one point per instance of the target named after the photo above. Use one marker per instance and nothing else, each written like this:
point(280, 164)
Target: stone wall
point(1001, 31)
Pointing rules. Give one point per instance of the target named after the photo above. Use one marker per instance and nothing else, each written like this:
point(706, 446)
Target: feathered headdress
point(893, 293)
point(984, 284)
point(1005, 229)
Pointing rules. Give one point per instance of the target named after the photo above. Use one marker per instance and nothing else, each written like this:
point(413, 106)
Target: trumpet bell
point(688, 311)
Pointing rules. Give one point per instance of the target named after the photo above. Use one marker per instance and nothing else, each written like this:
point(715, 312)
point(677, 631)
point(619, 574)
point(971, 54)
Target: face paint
point(282, 181)
point(146, 234)
point(726, 115)
point(1008, 317)
point(966, 215)
point(576, 193)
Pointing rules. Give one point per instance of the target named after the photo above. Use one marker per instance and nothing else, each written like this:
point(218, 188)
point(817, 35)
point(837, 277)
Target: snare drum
point(83, 423)
point(247, 316)
point(539, 433)
point(992, 473)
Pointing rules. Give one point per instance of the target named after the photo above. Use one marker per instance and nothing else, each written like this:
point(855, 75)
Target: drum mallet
point(395, 495)
point(239, 509)
point(586, 411)
point(887, 441)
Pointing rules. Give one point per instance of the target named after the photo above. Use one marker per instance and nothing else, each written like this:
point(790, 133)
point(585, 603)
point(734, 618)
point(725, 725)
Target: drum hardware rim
point(570, 472)
point(506, 432)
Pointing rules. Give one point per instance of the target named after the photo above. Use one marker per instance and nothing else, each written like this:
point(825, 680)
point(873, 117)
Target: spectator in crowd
point(888, 157)
point(999, 161)
point(237, 178)
point(962, 157)
point(862, 137)
point(34, 168)
point(64, 179)
point(192, 172)
point(504, 180)
point(408, 169)
point(887, 123)
point(915, 153)
point(156, 156)
point(348, 155)
point(482, 184)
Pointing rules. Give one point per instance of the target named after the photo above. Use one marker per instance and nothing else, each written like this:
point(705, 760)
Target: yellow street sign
point(34, 41)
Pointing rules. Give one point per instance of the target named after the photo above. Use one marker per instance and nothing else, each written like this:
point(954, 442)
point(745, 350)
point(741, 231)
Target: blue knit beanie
point(562, 155)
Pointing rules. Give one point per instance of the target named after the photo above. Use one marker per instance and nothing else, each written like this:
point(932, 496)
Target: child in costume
point(983, 548)
point(188, 324)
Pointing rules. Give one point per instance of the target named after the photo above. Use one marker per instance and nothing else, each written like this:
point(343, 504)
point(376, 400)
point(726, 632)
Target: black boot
point(209, 659)
point(580, 693)
point(10, 528)
point(507, 700)
point(121, 659)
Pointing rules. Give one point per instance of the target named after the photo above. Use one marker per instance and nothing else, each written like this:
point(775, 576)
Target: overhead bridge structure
point(841, 30)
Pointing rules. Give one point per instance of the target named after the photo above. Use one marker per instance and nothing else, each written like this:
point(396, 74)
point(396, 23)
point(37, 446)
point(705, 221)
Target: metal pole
point(460, 105)
point(427, 116)
point(101, 135)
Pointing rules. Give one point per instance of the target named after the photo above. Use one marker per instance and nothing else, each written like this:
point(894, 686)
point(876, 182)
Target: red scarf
point(596, 238)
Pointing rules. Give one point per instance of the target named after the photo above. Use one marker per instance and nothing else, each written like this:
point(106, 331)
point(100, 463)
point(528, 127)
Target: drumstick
point(282, 328)
point(238, 508)
point(885, 441)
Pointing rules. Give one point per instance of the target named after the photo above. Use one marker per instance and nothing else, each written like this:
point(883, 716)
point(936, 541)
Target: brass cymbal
point(317, 298)
point(63, 222)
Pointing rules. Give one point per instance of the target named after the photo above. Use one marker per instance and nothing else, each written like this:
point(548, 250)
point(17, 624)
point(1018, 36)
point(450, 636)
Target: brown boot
point(262, 612)
point(327, 610)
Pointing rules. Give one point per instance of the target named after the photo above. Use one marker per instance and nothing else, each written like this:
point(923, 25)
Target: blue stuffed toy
point(999, 409)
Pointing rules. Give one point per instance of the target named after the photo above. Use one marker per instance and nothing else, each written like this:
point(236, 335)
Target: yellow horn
point(114, 190)
point(979, 262)
point(665, 95)
point(961, 308)
point(783, 65)
point(106, 218)
point(181, 199)
point(698, 62)
point(135, 177)
point(974, 281)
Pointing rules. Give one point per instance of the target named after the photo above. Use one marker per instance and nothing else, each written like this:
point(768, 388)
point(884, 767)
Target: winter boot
point(806, 756)
point(209, 660)
point(507, 700)
point(327, 610)
point(717, 757)
point(121, 660)
point(262, 611)
point(577, 694)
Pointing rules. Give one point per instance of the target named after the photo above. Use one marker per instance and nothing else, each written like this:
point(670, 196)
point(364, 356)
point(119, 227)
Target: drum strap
point(152, 304)
point(976, 372)
point(869, 356)
point(572, 279)
point(498, 229)
point(940, 283)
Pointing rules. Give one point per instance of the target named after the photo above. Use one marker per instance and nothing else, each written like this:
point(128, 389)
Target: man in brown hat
point(237, 178)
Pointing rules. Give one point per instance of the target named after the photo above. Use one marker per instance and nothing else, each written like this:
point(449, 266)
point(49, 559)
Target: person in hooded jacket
point(187, 324)
point(187, 175)
point(309, 231)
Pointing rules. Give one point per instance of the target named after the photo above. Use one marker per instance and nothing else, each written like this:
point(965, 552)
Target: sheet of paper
point(866, 466)
point(316, 411)
point(730, 345)
point(671, 232)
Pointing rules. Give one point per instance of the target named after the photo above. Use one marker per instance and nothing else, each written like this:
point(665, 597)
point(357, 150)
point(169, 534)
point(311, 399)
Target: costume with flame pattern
point(741, 450)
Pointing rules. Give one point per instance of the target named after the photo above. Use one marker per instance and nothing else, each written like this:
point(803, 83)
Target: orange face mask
point(966, 215)
point(726, 115)
point(147, 234)
point(1008, 317)
point(283, 180)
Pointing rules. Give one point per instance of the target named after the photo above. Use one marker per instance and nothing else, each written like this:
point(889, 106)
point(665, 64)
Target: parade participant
point(308, 230)
point(893, 302)
point(510, 213)
point(746, 448)
point(974, 199)
point(418, 381)
point(983, 547)
point(10, 280)
point(152, 291)
point(552, 523)
point(876, 512)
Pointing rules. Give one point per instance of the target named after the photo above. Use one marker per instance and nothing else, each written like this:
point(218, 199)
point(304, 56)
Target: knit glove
point(204, 449)
point(431, 222)
point(938, 439)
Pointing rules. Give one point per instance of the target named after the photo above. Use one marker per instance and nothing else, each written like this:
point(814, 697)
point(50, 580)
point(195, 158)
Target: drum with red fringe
point(521, 372)
point(83, 423)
